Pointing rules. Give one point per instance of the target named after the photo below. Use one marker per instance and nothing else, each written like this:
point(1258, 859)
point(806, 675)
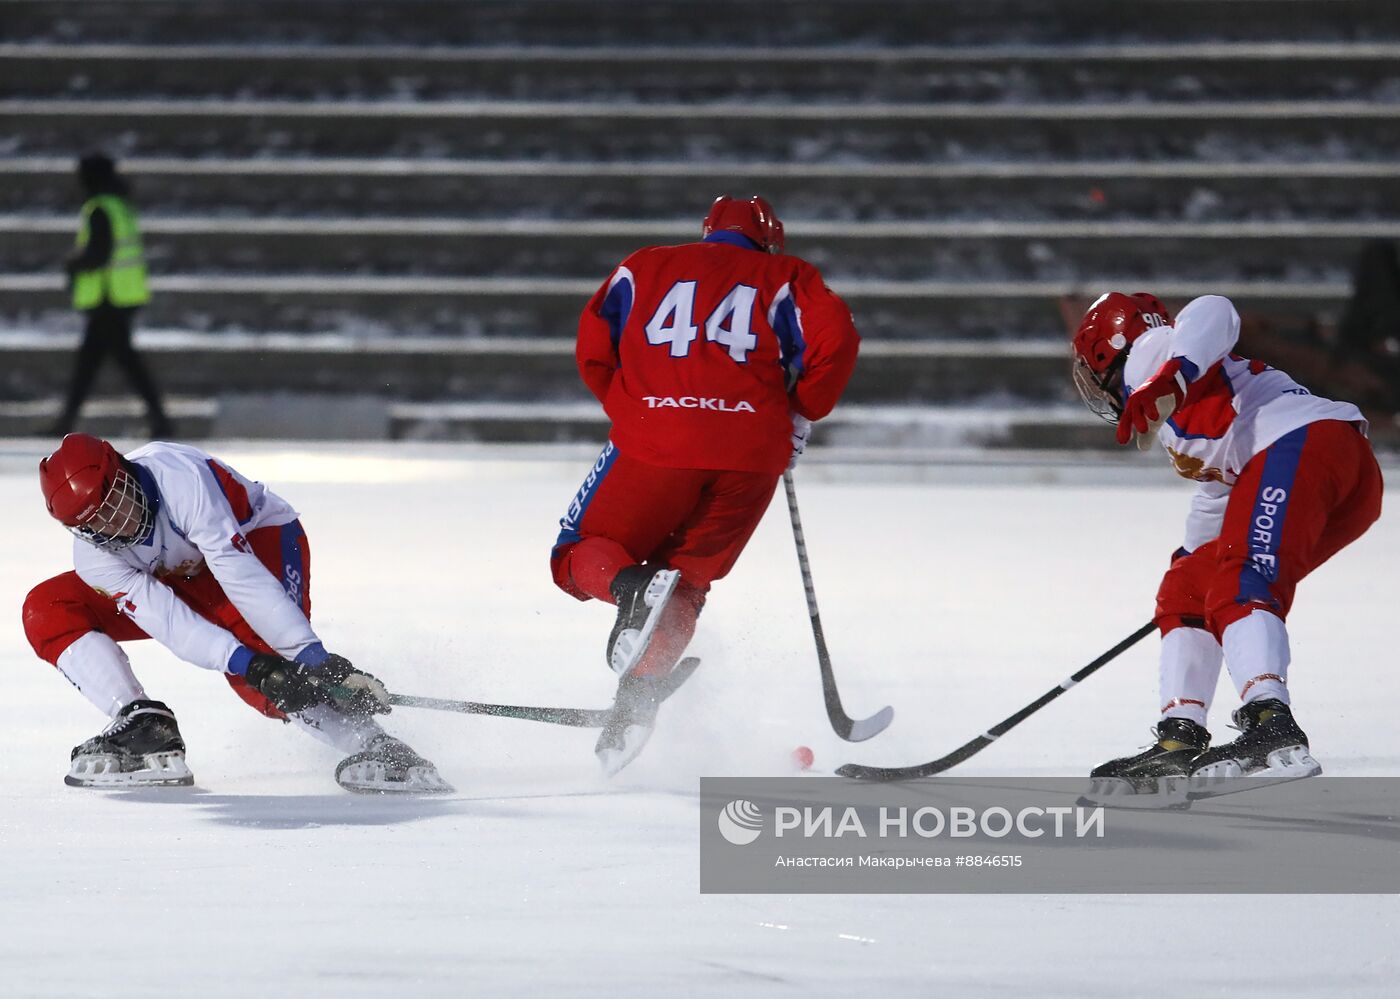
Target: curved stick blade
point(860, 729)
point(858, 771)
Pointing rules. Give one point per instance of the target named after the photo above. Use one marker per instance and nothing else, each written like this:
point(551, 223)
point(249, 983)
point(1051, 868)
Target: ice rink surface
point(954, 594)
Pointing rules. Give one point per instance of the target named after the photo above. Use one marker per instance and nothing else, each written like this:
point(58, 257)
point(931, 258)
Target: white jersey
point(203, 512)
point(1234, 407)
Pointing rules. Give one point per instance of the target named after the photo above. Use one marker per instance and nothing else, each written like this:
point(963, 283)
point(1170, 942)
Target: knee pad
point(563, 577)
point(56, 615)
point(1237, 591)
point(1181, 597)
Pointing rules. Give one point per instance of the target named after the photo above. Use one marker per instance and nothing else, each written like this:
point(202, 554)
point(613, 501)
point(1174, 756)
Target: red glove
point(1140, 411)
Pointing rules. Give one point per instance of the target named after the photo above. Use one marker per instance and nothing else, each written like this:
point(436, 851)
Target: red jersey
point(700, 353)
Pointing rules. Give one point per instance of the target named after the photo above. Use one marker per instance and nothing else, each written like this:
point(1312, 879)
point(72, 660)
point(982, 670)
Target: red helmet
point(89, 490)
point(1113, 323)
point(77, 477)
point(753, 218)
point(1102, 342)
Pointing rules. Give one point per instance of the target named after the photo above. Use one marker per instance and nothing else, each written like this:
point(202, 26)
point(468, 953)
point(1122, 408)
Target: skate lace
point(1157, 737)
point(119, 724)
point(1238, 721)
point(124, 721)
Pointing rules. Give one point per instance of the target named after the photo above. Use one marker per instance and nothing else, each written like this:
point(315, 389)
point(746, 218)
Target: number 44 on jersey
point(673, 322)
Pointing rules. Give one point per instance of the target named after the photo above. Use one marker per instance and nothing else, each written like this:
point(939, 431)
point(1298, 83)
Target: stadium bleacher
point(399, 208)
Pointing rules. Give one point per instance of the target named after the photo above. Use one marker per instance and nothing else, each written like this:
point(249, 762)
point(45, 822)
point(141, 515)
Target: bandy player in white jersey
point(173, 544)
point(1284, 481)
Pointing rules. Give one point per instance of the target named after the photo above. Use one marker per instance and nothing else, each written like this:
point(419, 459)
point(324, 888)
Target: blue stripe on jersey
point(1266, 521)
point(732, 238)
point(793, 345)
point(1171, 420)
point(1193, 437)
point(1189, 370)
point(617, 306)
point(293, 578)
point(147, 482)
point(569, 523)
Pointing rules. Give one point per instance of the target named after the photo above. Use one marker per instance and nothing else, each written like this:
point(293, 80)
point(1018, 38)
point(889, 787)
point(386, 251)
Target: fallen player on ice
point(174, 545)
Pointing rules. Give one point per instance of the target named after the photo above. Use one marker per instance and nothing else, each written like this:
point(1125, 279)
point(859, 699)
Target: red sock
point(673, 633)
point(594, 562)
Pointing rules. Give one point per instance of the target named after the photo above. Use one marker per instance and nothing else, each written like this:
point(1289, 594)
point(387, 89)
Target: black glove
point(352, 690)
point(293, 686)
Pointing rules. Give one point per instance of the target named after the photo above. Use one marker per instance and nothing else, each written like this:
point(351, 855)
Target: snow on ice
point(953, 594)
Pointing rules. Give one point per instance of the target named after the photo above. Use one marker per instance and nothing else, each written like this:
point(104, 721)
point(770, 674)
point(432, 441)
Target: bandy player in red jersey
point(173, 544)
point(1284, 481)
point(711, 359)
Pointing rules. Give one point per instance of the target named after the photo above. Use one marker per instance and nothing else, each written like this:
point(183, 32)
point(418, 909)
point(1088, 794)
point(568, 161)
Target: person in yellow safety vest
point(107, 277)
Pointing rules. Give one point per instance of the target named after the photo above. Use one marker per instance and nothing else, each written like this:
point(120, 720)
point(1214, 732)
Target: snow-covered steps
point(854, 428)
point(523, 306)
point(1114, 70)
point(1209, 190)
point(1208, 251)
point(35, 365)
point(734, 130)
point(1150, 24)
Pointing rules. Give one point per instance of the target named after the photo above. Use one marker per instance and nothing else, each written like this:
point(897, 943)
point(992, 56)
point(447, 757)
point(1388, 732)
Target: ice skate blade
point(631, 643)
point(1228, 776)
point(377, 777)
point(104, 770)
point(629, 744)
point(1116, 792)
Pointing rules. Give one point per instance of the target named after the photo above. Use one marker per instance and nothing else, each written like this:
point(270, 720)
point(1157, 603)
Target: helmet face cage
point(1103, 394)
point(124, 517)
point(1100, 347)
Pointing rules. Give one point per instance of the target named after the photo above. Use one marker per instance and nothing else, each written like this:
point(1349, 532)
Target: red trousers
point(1295, 505)
point(629, 512)
point(62, 609)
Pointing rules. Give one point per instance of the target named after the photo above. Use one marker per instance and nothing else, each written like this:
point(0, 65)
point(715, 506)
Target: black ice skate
point(1271, 749)
point(1155, 778)
point(141, 748)
point(642, 593)
point(389, 766)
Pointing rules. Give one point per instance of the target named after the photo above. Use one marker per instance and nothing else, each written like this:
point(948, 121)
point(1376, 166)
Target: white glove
point(801, 432)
